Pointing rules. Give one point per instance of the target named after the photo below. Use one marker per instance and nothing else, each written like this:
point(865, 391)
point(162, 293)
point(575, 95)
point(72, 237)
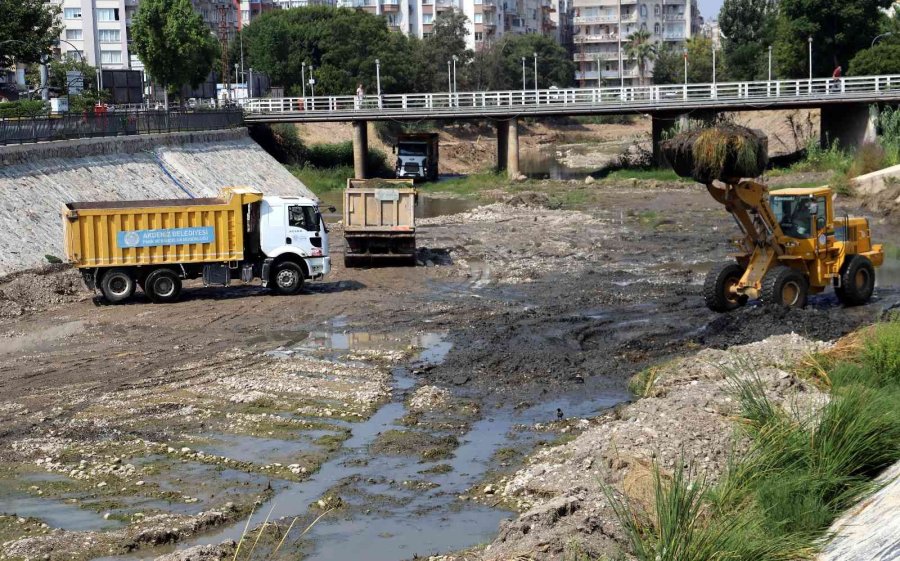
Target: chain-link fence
point(20, 130)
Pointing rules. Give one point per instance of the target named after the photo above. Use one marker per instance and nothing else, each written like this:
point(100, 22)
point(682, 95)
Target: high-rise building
point(98, 31)
point(602, 28)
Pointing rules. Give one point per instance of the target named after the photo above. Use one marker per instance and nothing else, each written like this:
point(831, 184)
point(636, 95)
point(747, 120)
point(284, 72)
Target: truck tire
point(162, 286)
point(857, 281)
point(717, 288)
point(287, 278)
point(785, 287)
point(117, 285)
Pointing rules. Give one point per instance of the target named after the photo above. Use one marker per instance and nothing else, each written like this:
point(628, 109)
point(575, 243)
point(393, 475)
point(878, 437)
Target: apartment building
point(488, 20)
point(602, 28)
point(99, 30)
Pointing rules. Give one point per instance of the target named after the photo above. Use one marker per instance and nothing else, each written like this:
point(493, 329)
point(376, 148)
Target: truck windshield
point(794, 214)
point(413, 149)
point(306, 217)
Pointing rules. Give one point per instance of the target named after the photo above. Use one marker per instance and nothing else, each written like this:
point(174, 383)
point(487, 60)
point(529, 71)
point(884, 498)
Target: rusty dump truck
point(380, 221)
point(156, 244)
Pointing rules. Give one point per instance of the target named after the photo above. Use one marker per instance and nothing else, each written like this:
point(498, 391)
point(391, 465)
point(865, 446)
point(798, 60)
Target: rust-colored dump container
point(379, 220)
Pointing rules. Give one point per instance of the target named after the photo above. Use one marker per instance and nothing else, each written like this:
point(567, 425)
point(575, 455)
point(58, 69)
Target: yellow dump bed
point(109, 233)
point(379, 205)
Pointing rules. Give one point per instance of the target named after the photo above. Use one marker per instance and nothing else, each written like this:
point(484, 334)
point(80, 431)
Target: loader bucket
point(726, 153)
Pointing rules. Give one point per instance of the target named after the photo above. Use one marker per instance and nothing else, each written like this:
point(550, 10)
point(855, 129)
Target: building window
point(74, 34)
point(72, 13)
point(427, 19)
point(111, 57)
point(656, 28)
point(109, 35)
point(74, 56)
point(107, 14)
point(656, 10)
point(643, 10)
point(479, 36)
point(479, 18)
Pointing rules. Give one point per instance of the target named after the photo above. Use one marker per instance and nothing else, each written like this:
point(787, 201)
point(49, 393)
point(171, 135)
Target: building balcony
point(673, 36)
point(489, 25)
point(488, 8)
point(594, 20)
point(605, 38)
point(673, 17)
point(390, 6)
point(591, 57)
point(605, 74)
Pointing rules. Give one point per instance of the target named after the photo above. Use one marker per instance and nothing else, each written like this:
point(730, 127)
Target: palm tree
point(640, 48)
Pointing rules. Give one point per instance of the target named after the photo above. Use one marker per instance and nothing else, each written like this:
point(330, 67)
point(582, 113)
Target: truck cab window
point(306, 217)
point(414, 149)
point(795, 216)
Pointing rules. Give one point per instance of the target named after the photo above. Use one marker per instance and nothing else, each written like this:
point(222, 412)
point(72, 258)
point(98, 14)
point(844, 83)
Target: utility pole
point(685, 51)
point(303, 77)
point(378, 80)
point(770, 63)
point(810, 64)
point(535, 76)
point(450, 81)
point(241, 31)
point(621, 58)
point(312, 81)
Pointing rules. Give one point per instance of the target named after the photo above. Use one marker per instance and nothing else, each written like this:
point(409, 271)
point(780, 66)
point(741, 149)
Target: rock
point(101, 485)
point(589, 180)
point(489, 490)
point(139, 483)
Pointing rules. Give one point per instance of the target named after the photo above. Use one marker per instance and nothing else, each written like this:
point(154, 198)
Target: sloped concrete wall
point(36, 180)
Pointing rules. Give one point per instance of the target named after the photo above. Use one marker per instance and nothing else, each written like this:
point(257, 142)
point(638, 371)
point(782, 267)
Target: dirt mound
point(746, 324)
point(529, 199)
point(723, 153)
point(39, 289)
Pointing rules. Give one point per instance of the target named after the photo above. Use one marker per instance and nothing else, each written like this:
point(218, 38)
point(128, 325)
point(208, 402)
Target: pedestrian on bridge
point(360, 94)
point(836, 79)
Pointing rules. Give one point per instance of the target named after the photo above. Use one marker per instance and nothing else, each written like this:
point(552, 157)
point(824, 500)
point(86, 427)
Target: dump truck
point(157, 244)
point(792, 242)
point(417, 156)
point(380, 221)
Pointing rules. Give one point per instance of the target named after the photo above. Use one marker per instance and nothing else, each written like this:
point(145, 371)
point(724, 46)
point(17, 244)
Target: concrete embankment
point(35, 180)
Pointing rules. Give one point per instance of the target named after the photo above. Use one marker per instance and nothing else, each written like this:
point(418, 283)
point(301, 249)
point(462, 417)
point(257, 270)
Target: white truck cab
point(294, 225)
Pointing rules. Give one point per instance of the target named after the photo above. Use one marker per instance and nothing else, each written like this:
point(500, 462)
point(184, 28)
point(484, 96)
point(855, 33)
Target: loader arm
point(748, 202)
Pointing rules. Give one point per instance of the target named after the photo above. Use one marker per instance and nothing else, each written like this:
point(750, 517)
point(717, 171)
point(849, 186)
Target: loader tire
point(162, 286)
point(784, 287)
point(717, 288)
point(117, 285)
point(857, 281)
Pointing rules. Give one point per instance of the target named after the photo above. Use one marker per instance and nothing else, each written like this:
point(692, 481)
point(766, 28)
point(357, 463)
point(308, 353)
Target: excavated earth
point(410, 397)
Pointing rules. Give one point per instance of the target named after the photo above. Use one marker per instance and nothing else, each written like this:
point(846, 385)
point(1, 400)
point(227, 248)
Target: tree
point(447, 39)
point(28, 30)
point(341, 46)
point(839, 29)
point(669, 65)
point(641, 49)
point(500, 66)
point(174, 44)
point(883, 58)
point(748, 27)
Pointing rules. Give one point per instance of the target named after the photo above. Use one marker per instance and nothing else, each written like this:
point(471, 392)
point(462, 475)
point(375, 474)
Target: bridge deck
point(732, 96)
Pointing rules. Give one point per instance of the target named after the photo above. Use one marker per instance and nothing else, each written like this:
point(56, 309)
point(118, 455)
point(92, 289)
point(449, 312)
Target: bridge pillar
point(512, 149)
point(502, 141)
point(851, 125)
point(360, 148)
point(660, 122)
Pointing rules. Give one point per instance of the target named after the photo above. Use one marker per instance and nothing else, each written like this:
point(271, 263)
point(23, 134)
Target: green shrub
point(869, 157)
point(340, 154)
point(23, 108)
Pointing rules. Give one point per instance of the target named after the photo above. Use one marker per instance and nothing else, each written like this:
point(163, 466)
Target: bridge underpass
point(844, 105)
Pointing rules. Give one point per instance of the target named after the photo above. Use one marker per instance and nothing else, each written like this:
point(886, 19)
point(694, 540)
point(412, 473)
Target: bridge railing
point(637, 96)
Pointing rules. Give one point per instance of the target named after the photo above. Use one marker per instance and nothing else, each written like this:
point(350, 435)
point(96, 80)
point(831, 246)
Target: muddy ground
point(384, 399)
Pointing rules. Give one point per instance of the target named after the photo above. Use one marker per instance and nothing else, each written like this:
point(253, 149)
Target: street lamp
point(770, 63)
point(810, 60)
point(877, 37)
point(312, 80)
point(378, 77)
point(303, 77)
point(685, 52)
point(450, 79)
point(455, 58)
point(535, 74)
point(714, 66)
point(523, 74)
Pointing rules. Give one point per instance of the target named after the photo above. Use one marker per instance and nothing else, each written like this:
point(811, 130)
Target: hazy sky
point(709, 9)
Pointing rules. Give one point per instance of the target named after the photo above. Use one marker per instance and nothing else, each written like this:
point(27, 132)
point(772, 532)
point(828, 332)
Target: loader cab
point(803, 213)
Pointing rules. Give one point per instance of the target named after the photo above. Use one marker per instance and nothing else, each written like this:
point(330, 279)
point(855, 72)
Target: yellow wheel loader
point(792, 244)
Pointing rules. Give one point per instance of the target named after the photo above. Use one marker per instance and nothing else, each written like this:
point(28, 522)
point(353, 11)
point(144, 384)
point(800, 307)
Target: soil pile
point(40, 289)
point(689, 413)
point(725, 153)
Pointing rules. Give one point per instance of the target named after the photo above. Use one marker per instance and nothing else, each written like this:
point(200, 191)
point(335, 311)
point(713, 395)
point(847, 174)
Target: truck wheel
point(117, 285)
point(162, 286)
point(718, 289)
point(287, 278)
point(857, 281)
point(784, 287)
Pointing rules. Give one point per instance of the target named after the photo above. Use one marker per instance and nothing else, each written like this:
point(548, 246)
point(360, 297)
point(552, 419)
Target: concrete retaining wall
point(35, 180)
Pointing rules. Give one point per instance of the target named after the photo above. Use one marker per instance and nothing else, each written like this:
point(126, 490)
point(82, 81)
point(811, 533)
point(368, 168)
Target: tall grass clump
point(800, 470)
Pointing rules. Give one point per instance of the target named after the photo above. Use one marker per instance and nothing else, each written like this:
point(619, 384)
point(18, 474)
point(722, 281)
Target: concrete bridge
point(844, 105)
